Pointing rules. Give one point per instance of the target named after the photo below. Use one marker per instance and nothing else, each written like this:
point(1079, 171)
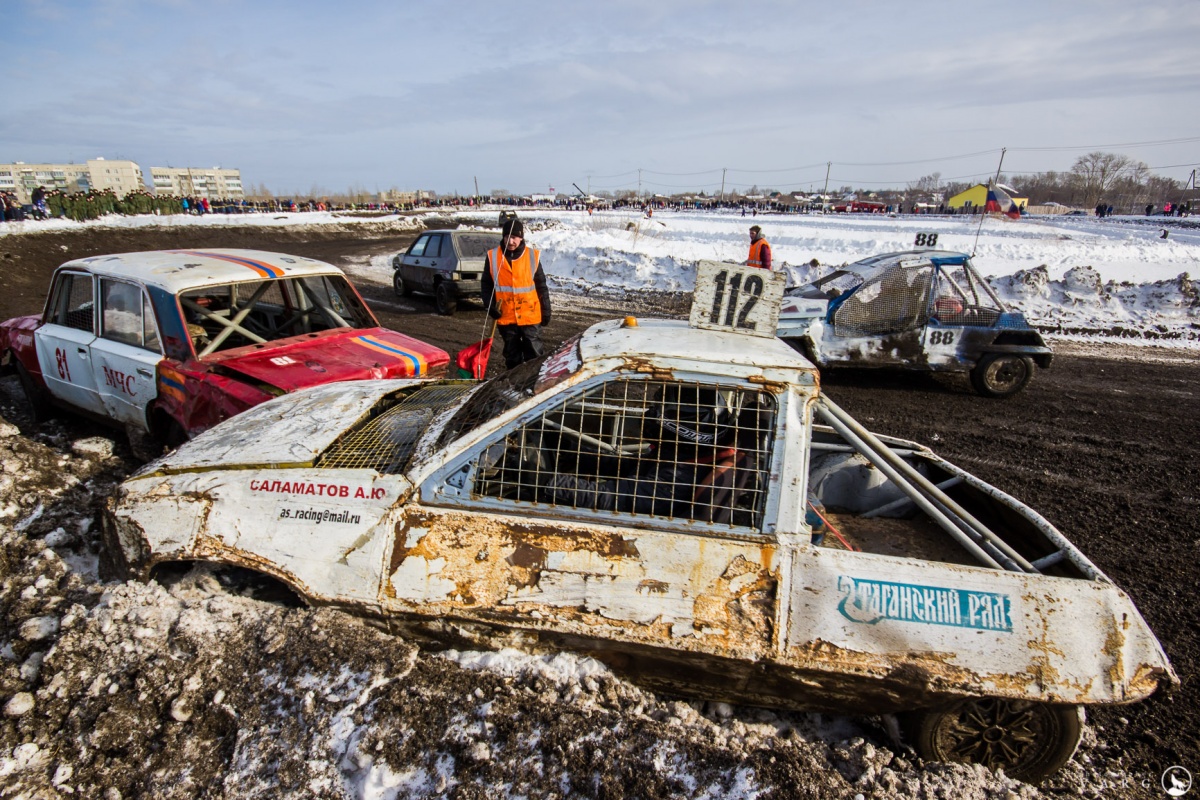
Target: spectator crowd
point(81, 206)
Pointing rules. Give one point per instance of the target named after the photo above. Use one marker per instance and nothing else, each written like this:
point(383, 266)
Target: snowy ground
point(1077, 276)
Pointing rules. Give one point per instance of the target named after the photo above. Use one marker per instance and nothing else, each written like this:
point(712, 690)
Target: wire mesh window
point(896, 300)
point(685, 451)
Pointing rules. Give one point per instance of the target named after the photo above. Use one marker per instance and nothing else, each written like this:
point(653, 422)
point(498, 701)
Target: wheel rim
point(397, 284)
point(999, 734)
point(1006, 374)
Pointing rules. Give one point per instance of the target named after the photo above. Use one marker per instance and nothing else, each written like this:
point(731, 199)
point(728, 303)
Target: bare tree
point(927, 184)
point(1095, 174)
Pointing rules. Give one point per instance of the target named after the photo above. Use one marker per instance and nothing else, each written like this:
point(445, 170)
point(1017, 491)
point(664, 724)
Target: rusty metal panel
point(971, 629)
point(666, 589)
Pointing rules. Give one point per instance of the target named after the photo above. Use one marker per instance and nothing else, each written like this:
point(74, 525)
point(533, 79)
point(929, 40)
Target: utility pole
point(825, 192)
point(639, 183)
point(723, 171)
point(476, 187)
point(1000, 166)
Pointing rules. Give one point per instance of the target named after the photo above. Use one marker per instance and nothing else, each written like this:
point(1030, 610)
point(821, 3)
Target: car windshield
point(827, 287)
point(512, 388)
point(475, 245)
point(238, 314)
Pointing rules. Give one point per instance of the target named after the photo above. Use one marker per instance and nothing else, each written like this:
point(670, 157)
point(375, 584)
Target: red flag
point(472, 361)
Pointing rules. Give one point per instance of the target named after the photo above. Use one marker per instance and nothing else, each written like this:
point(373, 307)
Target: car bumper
point(468, 288)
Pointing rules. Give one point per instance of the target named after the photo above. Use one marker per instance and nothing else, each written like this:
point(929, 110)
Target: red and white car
point(169, 343)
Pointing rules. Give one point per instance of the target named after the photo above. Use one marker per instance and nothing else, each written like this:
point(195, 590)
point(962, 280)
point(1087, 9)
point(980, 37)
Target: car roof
point(458, 232)
point(940, 257)
point(179, 270)
point(655, 342)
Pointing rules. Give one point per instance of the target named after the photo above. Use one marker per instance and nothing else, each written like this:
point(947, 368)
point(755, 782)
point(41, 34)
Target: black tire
point(1029, 741)
point(40, 407)
point(445, 299)
point(399, 286)
point(166, 434)
point(1001, 374)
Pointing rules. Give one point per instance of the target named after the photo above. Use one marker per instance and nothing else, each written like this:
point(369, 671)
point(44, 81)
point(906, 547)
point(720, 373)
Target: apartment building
point(195, 182)
point(121, 176)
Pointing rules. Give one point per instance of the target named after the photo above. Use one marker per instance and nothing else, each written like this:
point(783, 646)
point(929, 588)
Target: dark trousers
point(521, 343)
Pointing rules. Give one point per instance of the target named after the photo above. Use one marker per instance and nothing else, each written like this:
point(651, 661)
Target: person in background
point(760, 249)
point(39, 203)
point(514, 290)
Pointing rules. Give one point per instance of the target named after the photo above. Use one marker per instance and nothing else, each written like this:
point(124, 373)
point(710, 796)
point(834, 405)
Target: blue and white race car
point(919, 309)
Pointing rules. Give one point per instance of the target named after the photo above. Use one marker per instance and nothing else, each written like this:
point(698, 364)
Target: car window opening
point(684, 451)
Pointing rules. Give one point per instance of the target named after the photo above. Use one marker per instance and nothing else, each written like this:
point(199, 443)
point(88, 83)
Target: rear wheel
point(40, 408)
point(1001, 375)
point(399, 286)
point(1029, 741)
point(445, 299)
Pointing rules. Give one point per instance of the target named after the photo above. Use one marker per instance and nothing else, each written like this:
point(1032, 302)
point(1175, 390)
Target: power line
point(1184, 140)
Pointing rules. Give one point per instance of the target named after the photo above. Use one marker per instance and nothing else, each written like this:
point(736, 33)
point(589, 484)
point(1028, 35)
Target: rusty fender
point(661, 589)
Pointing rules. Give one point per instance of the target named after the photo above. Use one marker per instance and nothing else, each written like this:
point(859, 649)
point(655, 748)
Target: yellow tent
point(976, 197)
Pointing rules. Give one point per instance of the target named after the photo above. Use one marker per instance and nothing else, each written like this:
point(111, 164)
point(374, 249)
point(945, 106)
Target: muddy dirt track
point(1105, 447)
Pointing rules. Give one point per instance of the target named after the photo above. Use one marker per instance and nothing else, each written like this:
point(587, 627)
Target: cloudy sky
point(526, 95)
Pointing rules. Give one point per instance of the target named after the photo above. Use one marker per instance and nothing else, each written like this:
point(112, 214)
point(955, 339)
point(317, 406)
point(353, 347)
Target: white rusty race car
point(663, 498)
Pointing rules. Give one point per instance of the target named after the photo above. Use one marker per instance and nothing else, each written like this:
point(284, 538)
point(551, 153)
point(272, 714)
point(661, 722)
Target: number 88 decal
point(941, 337)
point(926, 240)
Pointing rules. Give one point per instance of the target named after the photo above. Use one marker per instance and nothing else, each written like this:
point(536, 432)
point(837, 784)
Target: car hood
point(288, 430)
point(333, 357)
point(296, 429)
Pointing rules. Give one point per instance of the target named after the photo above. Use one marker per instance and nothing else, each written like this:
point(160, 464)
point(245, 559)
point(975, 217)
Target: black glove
point(545, 317)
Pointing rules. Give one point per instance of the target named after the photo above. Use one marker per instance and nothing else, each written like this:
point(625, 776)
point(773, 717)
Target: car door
point(126, 353)
point(413, 265)
point(65, 339)
point(601, 515)
point(435, 259)
point(883, 321)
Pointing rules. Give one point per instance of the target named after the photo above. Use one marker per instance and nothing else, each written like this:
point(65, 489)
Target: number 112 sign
point(737, 298)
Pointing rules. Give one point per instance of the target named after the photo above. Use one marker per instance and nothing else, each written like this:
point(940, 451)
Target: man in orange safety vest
point(514, 290)
point(760, 250)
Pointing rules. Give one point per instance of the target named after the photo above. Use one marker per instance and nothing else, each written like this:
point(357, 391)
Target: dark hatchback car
point(446, 264)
